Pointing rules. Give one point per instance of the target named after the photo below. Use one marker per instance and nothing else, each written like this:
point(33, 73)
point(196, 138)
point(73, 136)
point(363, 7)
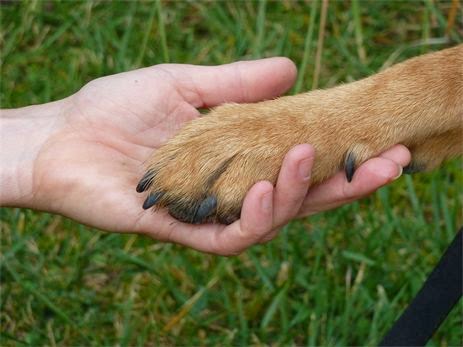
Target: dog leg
point(204, 172)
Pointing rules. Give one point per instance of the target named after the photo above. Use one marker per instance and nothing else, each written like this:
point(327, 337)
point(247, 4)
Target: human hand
point(83, 156)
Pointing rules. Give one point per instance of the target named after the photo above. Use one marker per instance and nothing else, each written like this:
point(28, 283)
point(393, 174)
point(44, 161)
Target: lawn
point(337, 278)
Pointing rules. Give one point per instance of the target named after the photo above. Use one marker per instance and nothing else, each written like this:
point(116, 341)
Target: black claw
point(152, 199)
point(413, 167)
point(349, 166)
point(145, 182)
point(205, 209)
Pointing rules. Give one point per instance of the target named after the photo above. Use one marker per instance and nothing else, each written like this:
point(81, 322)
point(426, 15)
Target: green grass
point(338, 278)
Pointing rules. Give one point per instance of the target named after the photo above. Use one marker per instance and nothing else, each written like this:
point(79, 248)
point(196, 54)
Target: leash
point(436, 298)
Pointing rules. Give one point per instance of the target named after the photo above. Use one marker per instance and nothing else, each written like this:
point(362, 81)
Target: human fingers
point(370, 176)
point(265, 208)
point(293, 183)
point(255, 222)
point(399, 154)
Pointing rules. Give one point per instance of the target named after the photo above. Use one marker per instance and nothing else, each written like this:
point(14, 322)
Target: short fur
point(418, 103)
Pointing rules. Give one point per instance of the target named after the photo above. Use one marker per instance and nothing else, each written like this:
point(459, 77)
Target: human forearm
point(23, 134)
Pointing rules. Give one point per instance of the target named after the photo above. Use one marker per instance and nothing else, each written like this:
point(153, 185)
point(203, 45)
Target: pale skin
point(82, 156)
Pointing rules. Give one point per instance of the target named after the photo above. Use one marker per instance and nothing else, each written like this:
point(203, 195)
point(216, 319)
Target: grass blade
point(307, 47)
point(162, 32)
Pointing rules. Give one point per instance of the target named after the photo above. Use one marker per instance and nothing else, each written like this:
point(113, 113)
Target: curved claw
point(205, 209)
point(413, 168)
point(349, 166)
point(152, 199)
point(145, 182)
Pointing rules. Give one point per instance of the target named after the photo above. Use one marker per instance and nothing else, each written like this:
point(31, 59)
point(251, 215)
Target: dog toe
point(152, 199)
point(145, 182)
point(414, 167)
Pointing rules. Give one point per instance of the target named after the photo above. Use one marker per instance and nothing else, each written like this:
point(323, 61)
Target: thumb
point(244, 81)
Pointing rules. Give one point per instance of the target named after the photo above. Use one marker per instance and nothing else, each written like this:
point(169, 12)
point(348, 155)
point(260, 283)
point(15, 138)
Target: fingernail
point(266, 202)
point(305, 169)
point(401, 170)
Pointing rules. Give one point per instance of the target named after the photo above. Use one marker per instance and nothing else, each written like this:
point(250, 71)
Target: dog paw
point(203, 173)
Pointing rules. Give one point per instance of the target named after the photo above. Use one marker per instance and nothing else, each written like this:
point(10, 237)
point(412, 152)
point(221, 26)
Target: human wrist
point(23, 133)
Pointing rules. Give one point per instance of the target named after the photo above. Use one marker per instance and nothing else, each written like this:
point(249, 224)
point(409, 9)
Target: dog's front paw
point(203, 173)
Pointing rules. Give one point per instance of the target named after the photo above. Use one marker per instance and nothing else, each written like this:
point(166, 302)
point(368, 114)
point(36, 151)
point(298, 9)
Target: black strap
point(439, 294)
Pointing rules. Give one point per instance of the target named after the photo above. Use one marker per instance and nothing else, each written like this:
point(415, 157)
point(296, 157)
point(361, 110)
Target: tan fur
point(418, 103)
